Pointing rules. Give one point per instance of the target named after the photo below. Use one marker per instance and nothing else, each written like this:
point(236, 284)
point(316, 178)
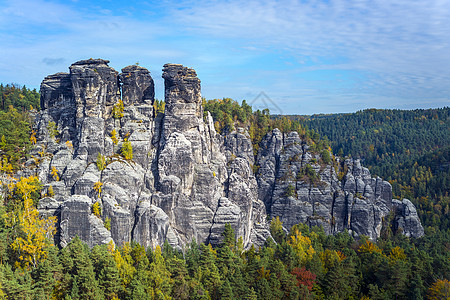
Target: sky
point(294, 57)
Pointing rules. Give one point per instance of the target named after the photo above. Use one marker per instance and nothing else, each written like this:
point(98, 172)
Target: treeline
point(303, 264)
point(410, 148)
point(229, 114)
point(15, 124)
point(20, 97)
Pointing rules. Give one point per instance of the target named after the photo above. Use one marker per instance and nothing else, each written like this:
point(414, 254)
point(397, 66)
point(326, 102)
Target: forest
point(409, 148)
point(303, 263)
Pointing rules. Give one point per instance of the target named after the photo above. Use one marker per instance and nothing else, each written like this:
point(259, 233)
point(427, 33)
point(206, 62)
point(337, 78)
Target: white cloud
point(397, 51)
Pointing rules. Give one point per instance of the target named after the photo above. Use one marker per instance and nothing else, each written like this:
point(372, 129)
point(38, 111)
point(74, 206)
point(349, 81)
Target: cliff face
point(184, 181)
point(298, 186)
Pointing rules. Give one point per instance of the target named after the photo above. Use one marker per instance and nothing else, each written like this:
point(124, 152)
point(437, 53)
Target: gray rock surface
point(357, 203)
point(185, 181)
point(406, 218)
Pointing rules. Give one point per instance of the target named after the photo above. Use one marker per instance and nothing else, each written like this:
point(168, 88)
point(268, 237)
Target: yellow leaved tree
point(440, 290)
point(32, 234)
point(301, 245)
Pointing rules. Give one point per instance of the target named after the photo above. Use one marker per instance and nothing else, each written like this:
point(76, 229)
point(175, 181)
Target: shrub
point(127, 150)
point(114, 137)
point(52, 129)
point(96, 209)
point(117, 111)
point(101, 162)
point(107, 223)
point(290, 191)
point(50, 191)
point(98, 188)
point(326, 157)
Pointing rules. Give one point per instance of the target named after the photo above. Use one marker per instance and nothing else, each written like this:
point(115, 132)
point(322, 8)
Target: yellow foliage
point(127, 150)
point(340, 255)
point(117, 110)
point(124, 264)
point(98, 188)
point(440, 290)
point(35, 234)
point(369, 247)
point(301, 245)
point(263, 273)
point(114, 137)
point(69, 145)
point(33, 137)
point(330, 257)
point(55, 174)
point(96, 209)
point(50, 191)
point(397, 253)
point(111, 247)
point(5, 166)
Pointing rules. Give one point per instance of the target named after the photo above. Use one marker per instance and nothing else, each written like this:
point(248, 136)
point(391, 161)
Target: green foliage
point(101, 162)
point(276, 230)
point(159, 106)
point(52, 129)
point(228, 114)
point(325, 156)
point(307, 173)
point(290, 191)
point(127, 150)
point(50, 191)
point(410, 148)
point(15, 132)
point(107, 223)
point(18, 97)
point(117, 110)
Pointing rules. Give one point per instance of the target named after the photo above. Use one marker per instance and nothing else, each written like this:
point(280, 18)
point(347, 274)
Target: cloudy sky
point(297, 57)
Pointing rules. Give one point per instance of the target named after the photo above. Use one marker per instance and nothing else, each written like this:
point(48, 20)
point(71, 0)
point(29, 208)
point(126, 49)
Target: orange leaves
point(440, 290)
point(304, 277)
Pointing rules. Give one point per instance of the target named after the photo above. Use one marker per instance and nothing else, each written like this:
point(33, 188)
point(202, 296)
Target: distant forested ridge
point(410, 148)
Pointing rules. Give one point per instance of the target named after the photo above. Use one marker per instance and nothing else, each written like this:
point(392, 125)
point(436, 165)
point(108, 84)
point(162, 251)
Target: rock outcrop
point(185, 181)
point(299, 187)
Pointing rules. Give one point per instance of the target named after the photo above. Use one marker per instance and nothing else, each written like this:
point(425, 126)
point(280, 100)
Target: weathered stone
point(185, 181)
point(407, 219)
point(77, 220)
point(137, 86)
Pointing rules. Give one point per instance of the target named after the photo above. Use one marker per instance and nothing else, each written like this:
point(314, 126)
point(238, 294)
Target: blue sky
point(306, 56)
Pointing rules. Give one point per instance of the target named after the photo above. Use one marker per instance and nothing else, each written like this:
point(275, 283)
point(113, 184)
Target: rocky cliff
point(184, 180)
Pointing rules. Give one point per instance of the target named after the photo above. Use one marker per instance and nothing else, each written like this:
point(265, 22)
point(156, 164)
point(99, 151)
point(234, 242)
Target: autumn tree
point(32, 234)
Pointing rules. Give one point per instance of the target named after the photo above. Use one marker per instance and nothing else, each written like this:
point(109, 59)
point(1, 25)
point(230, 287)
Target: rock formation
point(185, 181)
point(296, 185)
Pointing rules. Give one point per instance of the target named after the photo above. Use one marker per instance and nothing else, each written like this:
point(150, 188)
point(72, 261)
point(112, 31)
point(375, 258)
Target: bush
point(107, 223)
point(117, 111)
point(326, 157)
point(96, 209)
point(290, 191)
point(101, 162)
point(127, 150)
point(52, 129)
